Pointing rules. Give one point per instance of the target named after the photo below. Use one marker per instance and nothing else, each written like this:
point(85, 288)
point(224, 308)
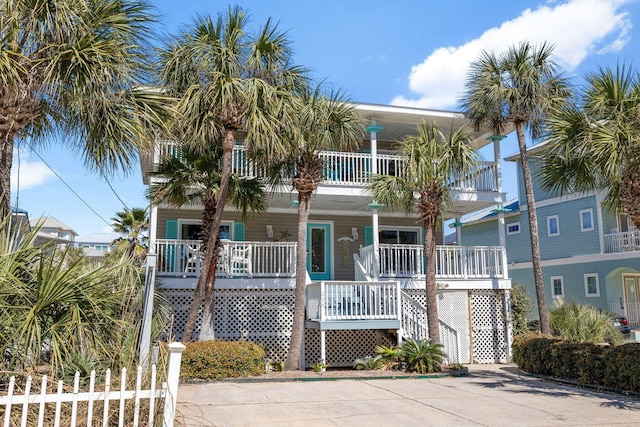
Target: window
point(513, 228)
point(591, 285)
point(396, 235)
point(586, 220)
point(557, 286)
point(104, 248)
point(192, 229)
point(553, 225)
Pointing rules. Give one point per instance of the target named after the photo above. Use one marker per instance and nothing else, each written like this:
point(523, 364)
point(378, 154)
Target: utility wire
point(68, 186)
point(114, 191)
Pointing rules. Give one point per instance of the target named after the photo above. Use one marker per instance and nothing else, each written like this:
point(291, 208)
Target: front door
point(632, 299)
point(319, 251)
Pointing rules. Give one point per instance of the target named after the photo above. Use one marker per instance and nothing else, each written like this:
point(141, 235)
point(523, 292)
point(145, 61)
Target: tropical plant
point(188, 178)
point(368, 363)
point(132, 225)
point(518, 88)
point(56, 309)
point(521, 306)
point(324, 121)
point(575, 322)
point(593, 141)
point(228, 84)
point(432, 157)
point(423, 356)
point(76, 68)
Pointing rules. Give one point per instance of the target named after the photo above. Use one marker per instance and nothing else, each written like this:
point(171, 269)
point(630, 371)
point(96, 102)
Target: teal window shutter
point(368, 235)
point(171, 229)
point(238, 231)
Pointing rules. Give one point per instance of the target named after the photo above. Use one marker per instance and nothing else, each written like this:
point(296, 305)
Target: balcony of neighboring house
point(622, 241)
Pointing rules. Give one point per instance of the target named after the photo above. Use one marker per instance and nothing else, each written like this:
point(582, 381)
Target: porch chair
point(241, 261)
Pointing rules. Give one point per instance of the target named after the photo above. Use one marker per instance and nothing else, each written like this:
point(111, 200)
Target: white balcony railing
point(236, 259)
point(334, 300)
point(622, 242)
point(354, 169)
point(452, 262)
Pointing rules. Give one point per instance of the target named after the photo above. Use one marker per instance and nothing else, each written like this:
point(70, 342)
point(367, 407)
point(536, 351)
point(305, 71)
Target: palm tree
point(325, 121)
point(192, 179)
point(229, 85)
point(75, 69)
point(133, 225)
point(432, 157)
point(593, 142)
point(519, 87)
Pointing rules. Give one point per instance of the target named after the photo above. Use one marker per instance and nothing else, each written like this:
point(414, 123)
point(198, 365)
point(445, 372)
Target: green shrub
point(521, 306)
point(613, 367)
point(575, 322)
point(417, 356)
point(368, 363)
point(217, 360)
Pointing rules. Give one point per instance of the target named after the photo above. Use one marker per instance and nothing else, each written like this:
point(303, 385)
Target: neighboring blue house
point(589, 253)
point(96, 245)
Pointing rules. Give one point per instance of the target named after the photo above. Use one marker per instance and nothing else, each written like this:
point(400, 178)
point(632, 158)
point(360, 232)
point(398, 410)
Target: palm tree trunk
point(297, 330)
point(209, 271)
point(6, 161)
point(208, 216)
point(533, 230)
point(433, 321)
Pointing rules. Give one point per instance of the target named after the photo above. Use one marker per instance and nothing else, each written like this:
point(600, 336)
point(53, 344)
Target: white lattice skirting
point(265, 316)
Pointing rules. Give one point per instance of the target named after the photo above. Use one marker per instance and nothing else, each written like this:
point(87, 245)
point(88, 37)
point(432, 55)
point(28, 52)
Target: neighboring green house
point(589, 253)
point(365, 265)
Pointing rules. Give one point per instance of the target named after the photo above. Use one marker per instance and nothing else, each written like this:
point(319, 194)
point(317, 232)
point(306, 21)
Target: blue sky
point(406, 53)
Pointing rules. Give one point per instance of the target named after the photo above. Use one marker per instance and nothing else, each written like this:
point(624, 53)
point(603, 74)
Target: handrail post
point(173, 379)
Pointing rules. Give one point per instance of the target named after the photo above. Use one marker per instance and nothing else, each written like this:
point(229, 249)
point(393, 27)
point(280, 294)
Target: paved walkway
point(492, 395)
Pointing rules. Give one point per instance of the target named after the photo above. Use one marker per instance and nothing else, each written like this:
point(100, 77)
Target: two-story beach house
point(589, 253)
point(365, 264)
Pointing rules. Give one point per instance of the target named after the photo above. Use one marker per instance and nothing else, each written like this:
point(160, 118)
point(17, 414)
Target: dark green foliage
point(521, 306)
point(613, 367)
point(217, 360)
point(424, 357)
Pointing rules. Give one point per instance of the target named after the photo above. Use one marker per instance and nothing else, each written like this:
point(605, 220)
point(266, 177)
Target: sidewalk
point(492, 395)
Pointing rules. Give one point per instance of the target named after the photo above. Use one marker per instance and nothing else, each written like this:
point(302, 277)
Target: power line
point(114, 191)
point(68, 186)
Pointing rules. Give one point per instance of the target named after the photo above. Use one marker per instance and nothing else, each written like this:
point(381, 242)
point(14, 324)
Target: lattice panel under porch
point(342, 347)
point(262, 316)
point(180, 302)
point(488, 327)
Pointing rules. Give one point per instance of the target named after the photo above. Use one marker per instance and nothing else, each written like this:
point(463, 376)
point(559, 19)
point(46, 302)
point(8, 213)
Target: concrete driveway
point(492, 395)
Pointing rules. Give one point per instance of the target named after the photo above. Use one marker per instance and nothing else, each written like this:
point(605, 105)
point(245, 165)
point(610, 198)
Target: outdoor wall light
point(270, 231)
point(354, 233)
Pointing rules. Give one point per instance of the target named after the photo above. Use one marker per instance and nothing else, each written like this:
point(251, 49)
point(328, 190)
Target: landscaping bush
point(217, 360)
point(613, 367)
point(423, 357)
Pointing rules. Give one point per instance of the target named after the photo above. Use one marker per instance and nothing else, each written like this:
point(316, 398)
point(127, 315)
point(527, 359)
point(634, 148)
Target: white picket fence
point(167, 392)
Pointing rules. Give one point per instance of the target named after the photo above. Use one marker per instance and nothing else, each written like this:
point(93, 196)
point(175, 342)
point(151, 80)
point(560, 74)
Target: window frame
point(582, 227)
point(417, 230)
point(549, 219)
point(586, 285)
point(509, 233)
point(185, 221)
point(553, 287)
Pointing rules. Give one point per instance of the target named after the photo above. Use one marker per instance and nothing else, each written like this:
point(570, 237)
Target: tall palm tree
point(76, 69)
point(432, 157)
point(133, 225)
point(230, 84)
point(594, 142)
point(192, 179)
point(519, 87)
point(325, 121)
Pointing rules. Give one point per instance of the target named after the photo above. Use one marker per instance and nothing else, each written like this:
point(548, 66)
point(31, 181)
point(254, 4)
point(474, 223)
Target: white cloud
point(32, 174)
point(578, 28)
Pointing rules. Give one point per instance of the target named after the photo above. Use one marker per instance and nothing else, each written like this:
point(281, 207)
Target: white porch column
point(153, 228)
point(323, 346)
point(373, 129)
point(149, 289)
point(502, 238)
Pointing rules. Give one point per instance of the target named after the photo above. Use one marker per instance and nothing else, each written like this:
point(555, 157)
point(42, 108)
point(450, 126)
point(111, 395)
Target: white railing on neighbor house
point(94, 405)
point(235, 259)
point(631, 310)
point(622, 242)
point(348, 168)
point(335, 300)
point(452, 262)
